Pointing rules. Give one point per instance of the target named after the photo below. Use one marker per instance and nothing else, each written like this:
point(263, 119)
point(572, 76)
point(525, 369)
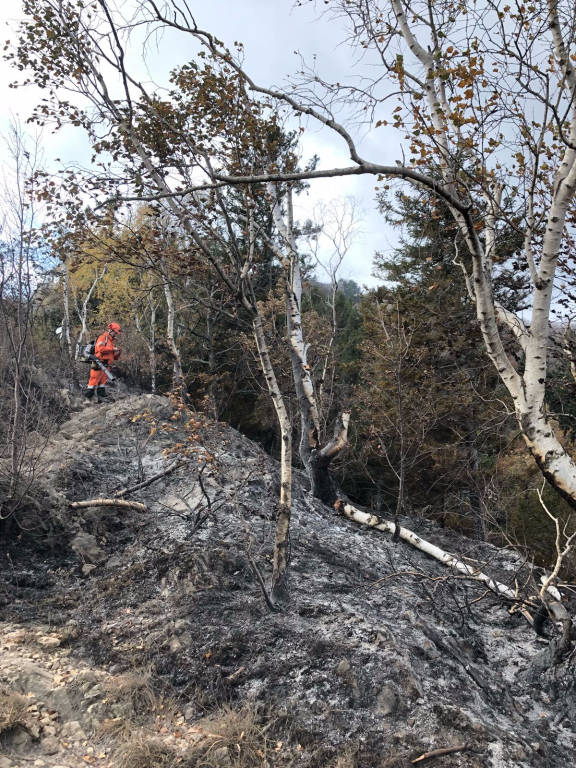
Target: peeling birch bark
point(177, 372)
point(316, 459)
point(283, 514)
point(469, 571)
point(109, 503)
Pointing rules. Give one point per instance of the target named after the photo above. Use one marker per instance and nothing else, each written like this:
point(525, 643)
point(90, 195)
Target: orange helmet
point(114, 327)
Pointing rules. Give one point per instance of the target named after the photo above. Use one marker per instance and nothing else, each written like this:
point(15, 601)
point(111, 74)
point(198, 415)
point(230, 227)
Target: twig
point(203, 489)
point(236, 674)
point(482, 596)
point(150, 480)
point(440, 752)
point(257, 573)
point(109, 503)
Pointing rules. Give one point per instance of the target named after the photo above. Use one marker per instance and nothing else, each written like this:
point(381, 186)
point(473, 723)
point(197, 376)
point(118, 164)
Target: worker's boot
point(88, 395)
point(101, 395)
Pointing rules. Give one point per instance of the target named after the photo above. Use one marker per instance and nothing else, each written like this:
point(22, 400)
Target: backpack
point(85, 352)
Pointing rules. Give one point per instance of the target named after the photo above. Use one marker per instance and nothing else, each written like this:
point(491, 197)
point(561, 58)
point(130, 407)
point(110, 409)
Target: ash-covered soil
point(381, 656)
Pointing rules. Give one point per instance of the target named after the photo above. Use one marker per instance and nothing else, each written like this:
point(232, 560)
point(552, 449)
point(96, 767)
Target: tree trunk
point(152, 345)
point(66, 338)
point(472, 470)
point(323, 487)
point(178, 384)
point(316, 460)
point(284, 510)
point(550, 593)
point(211, 394)
point(554, 461)
point(82, 311)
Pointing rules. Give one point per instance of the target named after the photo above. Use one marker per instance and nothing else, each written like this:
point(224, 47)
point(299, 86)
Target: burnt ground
point(381, 655)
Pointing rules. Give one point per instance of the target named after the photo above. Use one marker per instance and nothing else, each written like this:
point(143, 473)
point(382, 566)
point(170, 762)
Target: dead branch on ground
point(109, 503)
point(440, 752)
point(153, 479)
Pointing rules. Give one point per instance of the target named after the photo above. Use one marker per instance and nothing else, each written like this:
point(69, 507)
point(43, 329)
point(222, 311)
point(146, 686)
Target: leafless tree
point(20, 272)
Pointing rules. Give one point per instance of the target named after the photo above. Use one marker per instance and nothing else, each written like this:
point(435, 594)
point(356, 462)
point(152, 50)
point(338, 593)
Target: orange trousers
point(97, 378)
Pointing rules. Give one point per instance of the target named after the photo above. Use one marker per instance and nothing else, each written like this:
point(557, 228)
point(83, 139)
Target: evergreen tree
point(431, 411)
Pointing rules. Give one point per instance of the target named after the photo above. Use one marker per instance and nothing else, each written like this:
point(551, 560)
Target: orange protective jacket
point(105, 351)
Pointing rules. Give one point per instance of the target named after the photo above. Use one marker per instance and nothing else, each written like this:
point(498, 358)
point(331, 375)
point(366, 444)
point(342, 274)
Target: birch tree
point(160, 145)
point(337, 226)
point(484, 98)
point(144, 313)
point(315, 456)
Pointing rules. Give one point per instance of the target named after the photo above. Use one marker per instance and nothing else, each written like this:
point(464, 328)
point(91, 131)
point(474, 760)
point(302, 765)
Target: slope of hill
point(140, 638)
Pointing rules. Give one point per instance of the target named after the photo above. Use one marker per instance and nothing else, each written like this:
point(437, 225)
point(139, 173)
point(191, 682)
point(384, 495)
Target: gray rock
point(50, 745)
point(33, 679)
point(61, 702)
point(174, 644)
point(73, 730)
point(220, 758)
point(94, 693)
point(86, 678)
point(190, 712)
point(87, 549)
point(19, 739)
point(518, 752)
point(49, 641)
point(387, 700)
point(343, 668)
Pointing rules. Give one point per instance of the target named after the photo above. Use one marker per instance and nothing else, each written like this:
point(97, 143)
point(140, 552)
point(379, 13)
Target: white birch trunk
point(526, 388)
point(66, 325)
point(549, 592)
point(316, 459)
point(281, 538)
point(288, 255)
point(82, 309)
point(66, 305)
point(177, 372)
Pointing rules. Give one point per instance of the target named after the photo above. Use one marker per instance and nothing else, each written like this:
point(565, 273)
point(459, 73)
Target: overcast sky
point(272, 32)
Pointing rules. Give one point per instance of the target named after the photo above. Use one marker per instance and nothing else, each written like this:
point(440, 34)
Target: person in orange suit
point(106, 351)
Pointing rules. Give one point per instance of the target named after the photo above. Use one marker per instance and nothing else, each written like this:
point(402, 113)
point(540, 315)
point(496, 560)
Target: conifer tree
point(429, 389)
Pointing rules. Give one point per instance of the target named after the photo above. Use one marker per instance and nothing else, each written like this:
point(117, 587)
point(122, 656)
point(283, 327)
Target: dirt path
point(58, 712)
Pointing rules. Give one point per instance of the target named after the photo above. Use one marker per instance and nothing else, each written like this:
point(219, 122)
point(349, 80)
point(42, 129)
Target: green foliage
point(427, 396)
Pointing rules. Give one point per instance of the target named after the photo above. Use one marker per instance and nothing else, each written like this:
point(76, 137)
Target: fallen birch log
point(109, 503)
point(150, 480)
point(372, 521)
